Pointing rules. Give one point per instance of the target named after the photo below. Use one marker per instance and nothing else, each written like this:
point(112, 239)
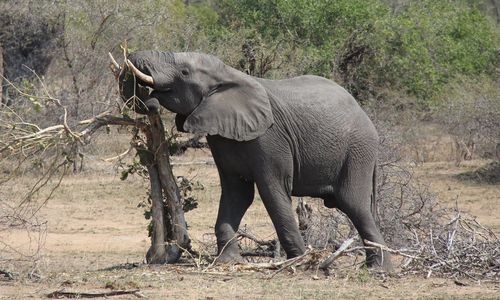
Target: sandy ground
point(96, 232)
point(481, 200)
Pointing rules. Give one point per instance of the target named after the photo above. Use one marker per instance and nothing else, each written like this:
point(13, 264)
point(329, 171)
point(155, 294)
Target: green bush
point(431, 42)
point(366, 46)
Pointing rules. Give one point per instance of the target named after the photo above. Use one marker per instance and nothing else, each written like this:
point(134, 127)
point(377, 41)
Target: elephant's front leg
point(236, 197)
point(278, 202)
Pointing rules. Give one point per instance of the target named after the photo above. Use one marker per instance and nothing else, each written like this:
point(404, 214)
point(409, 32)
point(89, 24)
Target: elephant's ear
point(238, 109)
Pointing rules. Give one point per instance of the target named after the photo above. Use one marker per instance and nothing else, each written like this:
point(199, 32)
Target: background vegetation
point(399, 55)
point(426, 71)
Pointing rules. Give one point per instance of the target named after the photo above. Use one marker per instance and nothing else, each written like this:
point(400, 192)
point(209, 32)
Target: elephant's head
point(208, 96)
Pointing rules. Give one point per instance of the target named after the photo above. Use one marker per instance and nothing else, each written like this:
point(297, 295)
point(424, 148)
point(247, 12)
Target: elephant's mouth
point(163, 90)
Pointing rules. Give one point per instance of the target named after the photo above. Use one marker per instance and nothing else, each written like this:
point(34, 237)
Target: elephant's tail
point(374, 195)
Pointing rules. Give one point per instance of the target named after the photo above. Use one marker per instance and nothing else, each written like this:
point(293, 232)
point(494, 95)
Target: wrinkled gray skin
point(304, 136)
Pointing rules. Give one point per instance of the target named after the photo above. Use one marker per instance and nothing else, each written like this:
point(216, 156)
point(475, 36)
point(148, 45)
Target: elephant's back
point(311, 93)
point(324, 126)
point(320, 102)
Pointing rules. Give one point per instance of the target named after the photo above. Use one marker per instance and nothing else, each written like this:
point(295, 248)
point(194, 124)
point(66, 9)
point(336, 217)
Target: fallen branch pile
point(430, 240)
point(460, 247)
point(456, 247)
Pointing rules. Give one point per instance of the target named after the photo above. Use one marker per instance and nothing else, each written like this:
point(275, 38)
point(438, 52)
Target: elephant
point(303, 136)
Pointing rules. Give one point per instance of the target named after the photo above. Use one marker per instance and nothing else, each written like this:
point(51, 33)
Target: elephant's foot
point(230, 255)
point(295, 251)
point(379, 260)
point(226, 258)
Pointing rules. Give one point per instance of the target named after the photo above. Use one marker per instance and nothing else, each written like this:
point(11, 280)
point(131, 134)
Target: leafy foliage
point(189, 202)
point(186, 188)
point(431, 42)
point(470, 113)
point(134, 167)
point(367, 47)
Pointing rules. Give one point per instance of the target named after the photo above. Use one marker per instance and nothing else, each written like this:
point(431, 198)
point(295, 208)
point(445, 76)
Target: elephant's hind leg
point(354, 200)
point(236, 197)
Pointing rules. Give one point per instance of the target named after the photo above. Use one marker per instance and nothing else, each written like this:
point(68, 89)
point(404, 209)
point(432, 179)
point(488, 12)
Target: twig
point(280, 265)
point(7, 275)
point(63, 294)
point(393, 251)
point(431, 268)
point(119, 156)
point(222, 251)
point(451, 235)
point(287, 263)
point(242, 233)
point(327, 262)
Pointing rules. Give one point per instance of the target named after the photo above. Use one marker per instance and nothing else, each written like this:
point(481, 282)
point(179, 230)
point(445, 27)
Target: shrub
point(365, 46)
point(470, 112)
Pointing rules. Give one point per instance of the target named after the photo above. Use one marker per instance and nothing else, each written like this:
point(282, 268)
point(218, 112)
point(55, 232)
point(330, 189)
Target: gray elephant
point(304, 136)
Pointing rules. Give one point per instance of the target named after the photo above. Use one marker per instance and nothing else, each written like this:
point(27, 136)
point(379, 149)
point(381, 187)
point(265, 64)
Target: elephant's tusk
point(146, 78)
point(113, 61)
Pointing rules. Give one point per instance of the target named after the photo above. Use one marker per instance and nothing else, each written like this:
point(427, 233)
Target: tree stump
point(169, 235)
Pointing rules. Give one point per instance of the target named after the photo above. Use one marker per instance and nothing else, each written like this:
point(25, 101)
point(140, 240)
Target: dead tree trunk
point(169, 236)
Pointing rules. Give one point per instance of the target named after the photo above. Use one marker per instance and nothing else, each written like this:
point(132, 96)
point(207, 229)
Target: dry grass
point(94, 229)
point(480, 200)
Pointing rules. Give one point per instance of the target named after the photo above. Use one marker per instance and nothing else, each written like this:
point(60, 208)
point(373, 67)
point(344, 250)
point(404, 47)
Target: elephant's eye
point(185, 72)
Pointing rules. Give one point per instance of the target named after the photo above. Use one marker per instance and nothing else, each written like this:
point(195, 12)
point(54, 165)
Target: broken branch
point(63, 294)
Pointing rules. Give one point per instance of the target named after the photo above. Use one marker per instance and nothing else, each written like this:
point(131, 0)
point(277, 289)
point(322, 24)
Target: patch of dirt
point(480, 200)
point(489, 173)
point(96, 240)
point(178, 282)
